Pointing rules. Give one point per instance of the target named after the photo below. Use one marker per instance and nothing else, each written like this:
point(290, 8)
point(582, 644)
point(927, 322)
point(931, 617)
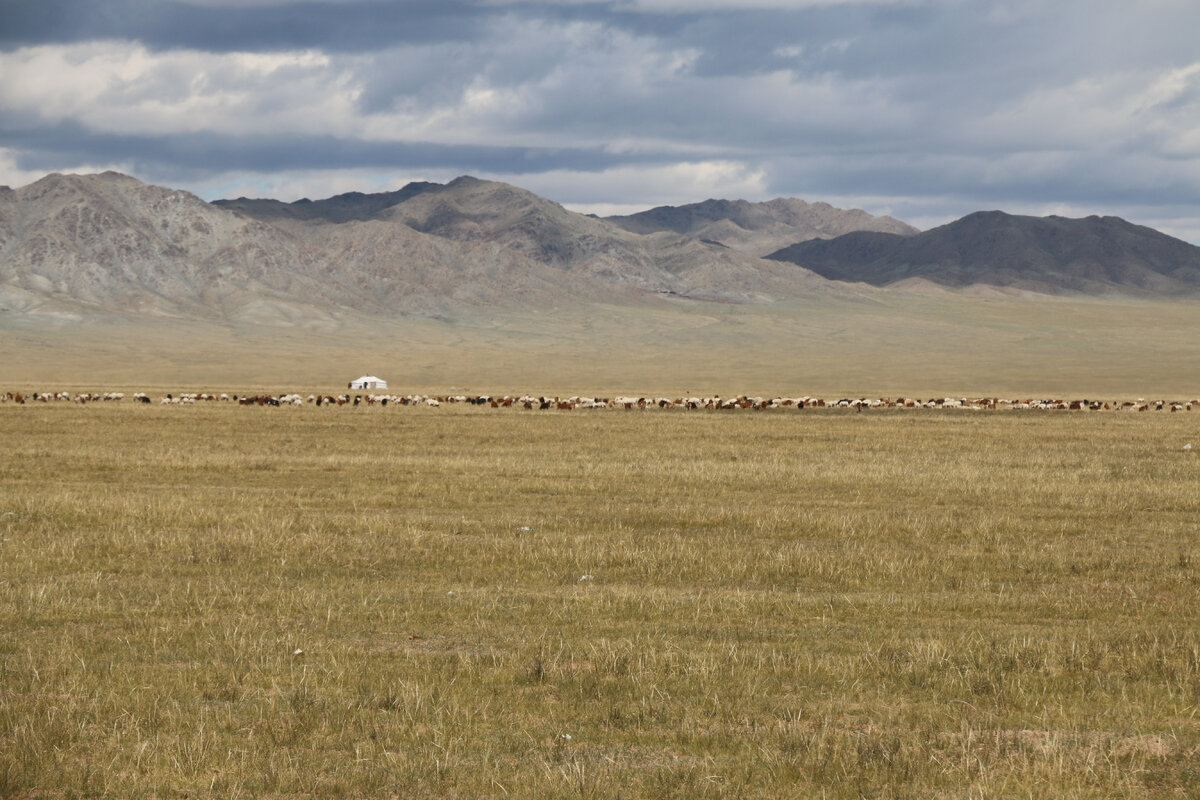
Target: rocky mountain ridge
point(758, 228)
point(79, 244)
point(1054, 255)
point(346, 207)
point(110, 243)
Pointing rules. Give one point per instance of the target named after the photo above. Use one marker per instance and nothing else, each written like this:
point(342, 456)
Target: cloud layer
point(925, 109)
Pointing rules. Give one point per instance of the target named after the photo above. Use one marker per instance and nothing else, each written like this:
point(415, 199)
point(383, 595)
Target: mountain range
point(759, 228)
point(77, 244)
point(1096, 255)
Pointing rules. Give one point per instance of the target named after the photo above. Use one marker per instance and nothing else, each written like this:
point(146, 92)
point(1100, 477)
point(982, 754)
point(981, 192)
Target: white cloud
point(118, 87)
point(1096, 112)
point(645, 187)
point(530, 85)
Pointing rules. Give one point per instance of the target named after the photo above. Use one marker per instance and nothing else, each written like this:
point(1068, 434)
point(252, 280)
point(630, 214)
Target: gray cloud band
point(45, 147)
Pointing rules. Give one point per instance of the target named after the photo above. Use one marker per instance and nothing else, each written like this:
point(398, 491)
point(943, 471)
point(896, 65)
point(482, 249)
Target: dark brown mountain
point(339, 208)
point(758, 228)
point(1096, 255)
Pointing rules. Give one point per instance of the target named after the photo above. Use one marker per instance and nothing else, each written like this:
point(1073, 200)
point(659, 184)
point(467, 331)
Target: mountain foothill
point(71, 245)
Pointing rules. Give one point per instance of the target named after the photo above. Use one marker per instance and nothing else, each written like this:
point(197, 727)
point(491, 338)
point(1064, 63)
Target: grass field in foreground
point(221, 601)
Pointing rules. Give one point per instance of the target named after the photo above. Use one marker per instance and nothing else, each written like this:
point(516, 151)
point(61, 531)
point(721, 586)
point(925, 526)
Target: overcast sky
point(923, 109)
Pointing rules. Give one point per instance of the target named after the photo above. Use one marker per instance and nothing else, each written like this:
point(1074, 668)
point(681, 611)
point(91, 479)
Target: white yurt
point(368, 382)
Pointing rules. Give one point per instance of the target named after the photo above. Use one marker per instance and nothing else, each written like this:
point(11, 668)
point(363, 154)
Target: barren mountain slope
point(758, 228)
point(1095, 255)
point(74, 244)
point(471, 210)
point(390, 268)
point(498, 223)
point(8, 227)
point(109, 241)
point(79, 244)
point(708, 271)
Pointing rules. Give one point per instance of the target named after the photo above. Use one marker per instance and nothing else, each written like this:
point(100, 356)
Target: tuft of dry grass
point(454, 602)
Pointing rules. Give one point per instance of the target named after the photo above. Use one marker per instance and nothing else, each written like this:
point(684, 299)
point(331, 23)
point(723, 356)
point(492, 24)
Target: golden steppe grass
point(460, 602)
point(881, 342)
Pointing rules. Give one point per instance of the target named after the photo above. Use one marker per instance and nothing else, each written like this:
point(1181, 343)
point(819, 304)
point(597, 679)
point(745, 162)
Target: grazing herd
point(629, 403)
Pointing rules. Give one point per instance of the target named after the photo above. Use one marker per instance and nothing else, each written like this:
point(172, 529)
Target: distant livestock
point(555, 403)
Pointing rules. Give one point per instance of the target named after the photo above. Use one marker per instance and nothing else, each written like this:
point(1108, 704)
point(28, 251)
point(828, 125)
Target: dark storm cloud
point(45, 147)
point(981, 182)
point(328, 24)
point(331, 26)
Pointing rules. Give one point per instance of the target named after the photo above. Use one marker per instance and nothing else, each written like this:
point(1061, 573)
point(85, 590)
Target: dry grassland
point(883, 343)
point(411, 602)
